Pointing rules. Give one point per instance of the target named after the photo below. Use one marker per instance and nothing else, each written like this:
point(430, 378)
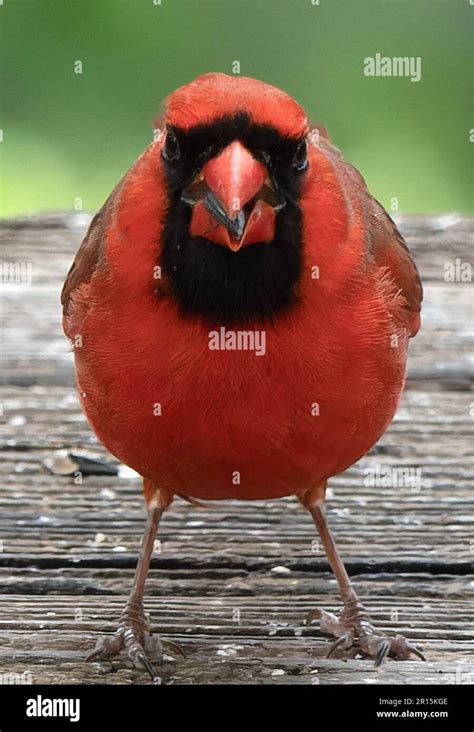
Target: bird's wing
point(89, 257)
point(386, 246)
point(390, 252)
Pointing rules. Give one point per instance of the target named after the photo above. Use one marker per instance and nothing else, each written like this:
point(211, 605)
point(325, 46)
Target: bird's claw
point(354, 631)
point(133, 636)
point(106, 648)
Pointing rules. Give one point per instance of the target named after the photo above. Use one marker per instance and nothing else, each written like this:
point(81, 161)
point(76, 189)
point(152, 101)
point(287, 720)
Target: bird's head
point(234, 152)
point(234, 149)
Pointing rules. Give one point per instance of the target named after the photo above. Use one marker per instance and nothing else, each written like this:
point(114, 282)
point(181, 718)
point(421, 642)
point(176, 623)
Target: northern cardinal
point(240, 311)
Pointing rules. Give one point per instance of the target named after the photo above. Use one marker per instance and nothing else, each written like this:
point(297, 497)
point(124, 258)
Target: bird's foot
point(133, 635)
point(354, 631)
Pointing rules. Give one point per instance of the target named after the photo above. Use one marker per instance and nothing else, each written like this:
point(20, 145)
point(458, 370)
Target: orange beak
point(232, 180)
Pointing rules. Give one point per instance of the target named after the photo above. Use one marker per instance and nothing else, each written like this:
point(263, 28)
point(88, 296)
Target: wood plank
point(442, 350)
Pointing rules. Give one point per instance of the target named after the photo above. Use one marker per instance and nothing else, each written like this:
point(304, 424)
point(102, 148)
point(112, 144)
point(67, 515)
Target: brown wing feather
point(385, 245)
point(89, 257)
point(389, 250)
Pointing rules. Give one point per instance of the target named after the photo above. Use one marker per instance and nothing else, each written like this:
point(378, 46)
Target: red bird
point(243, 307)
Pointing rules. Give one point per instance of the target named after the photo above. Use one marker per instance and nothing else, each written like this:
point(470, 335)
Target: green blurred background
point(69, 136)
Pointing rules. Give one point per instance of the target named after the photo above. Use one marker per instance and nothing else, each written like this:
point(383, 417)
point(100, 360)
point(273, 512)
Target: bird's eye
point(300, 157)
point(171, 150)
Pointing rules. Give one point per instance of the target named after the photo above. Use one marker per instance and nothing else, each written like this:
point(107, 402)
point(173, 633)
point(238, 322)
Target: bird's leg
point(133, 633)
point(353, 628)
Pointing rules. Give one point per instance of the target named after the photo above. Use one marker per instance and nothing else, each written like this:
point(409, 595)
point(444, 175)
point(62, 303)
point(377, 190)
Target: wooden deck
point(233, 585)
